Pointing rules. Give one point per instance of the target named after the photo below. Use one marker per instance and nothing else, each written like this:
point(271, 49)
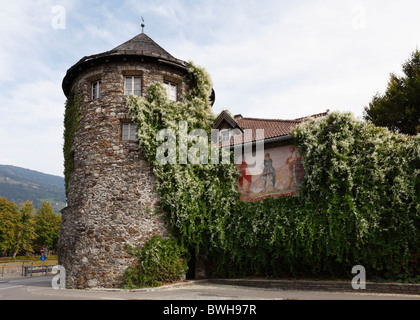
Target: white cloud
point(31, 99)
point(267, 58)
point(31, 125)
point(301, 59)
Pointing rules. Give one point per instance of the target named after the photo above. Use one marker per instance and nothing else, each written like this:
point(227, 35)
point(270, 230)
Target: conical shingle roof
point(141, 47)
point(143, 43)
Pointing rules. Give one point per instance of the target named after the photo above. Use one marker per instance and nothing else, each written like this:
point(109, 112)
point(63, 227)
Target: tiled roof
point(273, 128)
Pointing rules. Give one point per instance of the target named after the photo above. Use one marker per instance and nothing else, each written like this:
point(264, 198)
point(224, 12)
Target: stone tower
point(112, 193)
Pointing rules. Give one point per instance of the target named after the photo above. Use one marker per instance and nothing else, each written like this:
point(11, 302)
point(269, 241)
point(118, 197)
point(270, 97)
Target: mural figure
point(291, 161)
point(282, 174)
point(245, 176)
point(269, 172)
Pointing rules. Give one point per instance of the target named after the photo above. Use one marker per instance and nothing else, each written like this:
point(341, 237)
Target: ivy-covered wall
point(359, 202)
point(71, 121)
point(195, 198)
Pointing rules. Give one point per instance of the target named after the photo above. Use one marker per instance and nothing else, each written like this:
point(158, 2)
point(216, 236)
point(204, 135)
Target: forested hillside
point(19, 185)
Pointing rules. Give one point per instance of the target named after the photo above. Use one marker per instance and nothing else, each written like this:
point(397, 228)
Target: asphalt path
point(39, 288)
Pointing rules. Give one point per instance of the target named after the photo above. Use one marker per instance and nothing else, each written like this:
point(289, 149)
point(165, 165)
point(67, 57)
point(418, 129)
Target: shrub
point(160, 261)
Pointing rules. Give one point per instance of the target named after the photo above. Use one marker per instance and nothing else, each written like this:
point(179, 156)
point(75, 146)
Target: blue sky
point(267, 58)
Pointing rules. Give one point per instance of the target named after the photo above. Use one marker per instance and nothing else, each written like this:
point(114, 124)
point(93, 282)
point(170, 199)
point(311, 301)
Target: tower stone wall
point(112, 197)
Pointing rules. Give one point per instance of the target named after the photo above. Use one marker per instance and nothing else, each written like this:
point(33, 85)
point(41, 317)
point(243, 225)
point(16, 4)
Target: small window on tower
point(171, 90)
point(129, 132)
point(96, 90)
point(132, 86)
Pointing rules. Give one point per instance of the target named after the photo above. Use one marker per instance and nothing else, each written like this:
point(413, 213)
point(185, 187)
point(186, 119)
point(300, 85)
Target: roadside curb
point(290, 285)
point(331, 286)
point(170, 286)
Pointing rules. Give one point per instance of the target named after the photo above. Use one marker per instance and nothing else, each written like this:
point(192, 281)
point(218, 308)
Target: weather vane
point(142, 25)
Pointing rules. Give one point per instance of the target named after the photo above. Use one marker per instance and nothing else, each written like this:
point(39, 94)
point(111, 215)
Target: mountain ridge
point(19, 185)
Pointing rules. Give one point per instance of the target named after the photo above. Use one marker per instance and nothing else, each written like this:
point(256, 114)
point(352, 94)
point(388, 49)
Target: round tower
point(111, 194)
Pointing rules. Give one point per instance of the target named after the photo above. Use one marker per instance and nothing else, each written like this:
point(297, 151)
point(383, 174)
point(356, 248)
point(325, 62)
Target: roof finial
point(142, 25)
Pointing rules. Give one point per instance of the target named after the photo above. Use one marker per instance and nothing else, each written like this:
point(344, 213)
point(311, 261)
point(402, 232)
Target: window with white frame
point(96, 89)
point(129, 132)
point(132, 86)
point(171, 90)
point(225, 135)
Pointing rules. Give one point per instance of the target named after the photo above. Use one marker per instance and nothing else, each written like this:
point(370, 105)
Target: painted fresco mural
point(282, 174)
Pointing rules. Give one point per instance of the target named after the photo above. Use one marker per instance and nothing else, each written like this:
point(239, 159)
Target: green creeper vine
point(365, 179)
point(71, 121)
point(196, 198)
point(359, 202)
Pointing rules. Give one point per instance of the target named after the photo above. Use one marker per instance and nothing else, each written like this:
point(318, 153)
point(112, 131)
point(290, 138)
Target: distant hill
point(20, 185)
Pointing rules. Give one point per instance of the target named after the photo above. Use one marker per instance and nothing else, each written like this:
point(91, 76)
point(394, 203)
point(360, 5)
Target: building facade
point(111, 194)
point(281, 171)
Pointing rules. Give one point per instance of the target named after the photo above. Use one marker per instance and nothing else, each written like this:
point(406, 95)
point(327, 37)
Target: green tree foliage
point(47, 227)
point(399, 107)
point(21, 231)
point(8, 214)
point(24, 229)
point(16, 227)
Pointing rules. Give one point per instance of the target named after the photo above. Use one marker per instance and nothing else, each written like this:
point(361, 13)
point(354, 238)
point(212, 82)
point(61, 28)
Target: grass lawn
point(51, 260)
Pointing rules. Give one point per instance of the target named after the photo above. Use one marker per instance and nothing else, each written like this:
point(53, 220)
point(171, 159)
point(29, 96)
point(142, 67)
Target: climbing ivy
point(196, 198)
point(359, 202)
point(364, 182)
point(71, 121)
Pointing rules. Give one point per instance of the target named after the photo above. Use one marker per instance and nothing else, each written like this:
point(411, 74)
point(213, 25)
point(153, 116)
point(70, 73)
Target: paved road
point(39, 288)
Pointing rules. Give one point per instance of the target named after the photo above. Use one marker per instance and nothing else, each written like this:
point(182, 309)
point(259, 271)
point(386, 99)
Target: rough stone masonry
point(112, 197)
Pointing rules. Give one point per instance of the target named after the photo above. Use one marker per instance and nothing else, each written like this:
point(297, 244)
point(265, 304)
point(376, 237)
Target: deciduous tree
point(16, 227)
point(399, 107)
point(47, 227)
